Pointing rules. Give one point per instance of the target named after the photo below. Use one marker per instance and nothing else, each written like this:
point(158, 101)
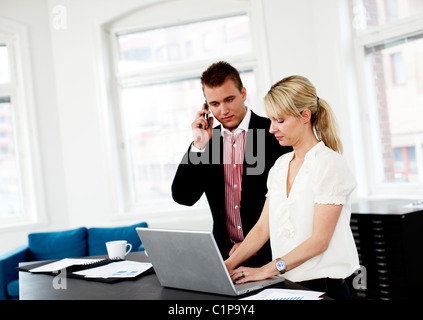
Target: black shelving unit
point(389, 240)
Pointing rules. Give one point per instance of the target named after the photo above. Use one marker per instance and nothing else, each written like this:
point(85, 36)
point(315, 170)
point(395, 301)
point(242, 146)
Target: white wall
point(35, 15)
point(84, 111)
point(303, 37)
point(314, 39)
point(310, 38)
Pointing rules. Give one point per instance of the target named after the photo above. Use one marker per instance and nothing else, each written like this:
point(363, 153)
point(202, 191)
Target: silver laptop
point(191, 260)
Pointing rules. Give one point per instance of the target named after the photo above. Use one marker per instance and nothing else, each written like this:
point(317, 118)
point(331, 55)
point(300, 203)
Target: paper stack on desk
point(95, 268)
point(119, 269)
point(63, 264)
point(285, 294)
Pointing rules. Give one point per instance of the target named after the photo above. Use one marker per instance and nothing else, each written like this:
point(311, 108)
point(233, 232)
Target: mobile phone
point(206, 115)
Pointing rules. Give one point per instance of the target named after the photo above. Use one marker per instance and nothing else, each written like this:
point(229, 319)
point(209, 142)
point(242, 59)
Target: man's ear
point(244, 93)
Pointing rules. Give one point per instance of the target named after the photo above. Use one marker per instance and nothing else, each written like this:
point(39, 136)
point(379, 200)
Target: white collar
point(243, 126)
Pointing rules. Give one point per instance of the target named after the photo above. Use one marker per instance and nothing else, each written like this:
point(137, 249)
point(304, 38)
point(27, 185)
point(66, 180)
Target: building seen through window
point(396, 68)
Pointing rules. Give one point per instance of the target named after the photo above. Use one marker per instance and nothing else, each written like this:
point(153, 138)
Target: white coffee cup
point(117, 249)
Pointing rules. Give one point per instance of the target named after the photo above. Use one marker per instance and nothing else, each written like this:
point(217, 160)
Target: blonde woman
point(307, 211)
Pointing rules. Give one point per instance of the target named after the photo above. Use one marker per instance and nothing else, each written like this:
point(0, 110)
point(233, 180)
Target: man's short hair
point(218, 72)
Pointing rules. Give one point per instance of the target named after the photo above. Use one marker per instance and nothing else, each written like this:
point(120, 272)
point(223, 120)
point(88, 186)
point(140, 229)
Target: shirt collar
point(312, 152)
point(243, 126)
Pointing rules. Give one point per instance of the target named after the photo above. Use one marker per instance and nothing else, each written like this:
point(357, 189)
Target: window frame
point(221, 9)
point(20, 91)
point(390, 33)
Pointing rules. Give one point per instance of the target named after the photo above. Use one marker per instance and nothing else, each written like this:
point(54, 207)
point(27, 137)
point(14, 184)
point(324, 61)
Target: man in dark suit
point(229, 163)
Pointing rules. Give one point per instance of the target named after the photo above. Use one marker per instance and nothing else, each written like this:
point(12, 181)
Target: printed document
point(119, 269)
point(285, 294)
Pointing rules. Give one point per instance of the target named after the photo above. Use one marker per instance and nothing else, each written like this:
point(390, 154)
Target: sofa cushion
point(12, 289)
point(58, 245)
point(97, 238)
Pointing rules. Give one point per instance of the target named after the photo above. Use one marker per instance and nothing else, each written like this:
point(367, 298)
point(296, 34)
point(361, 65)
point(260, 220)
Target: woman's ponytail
point(325, 126)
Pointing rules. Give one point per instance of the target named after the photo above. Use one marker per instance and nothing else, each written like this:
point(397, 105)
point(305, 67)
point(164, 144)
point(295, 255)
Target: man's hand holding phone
point(202, 128)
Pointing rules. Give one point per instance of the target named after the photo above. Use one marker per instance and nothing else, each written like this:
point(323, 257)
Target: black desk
point(389, 240)
point(147, 287)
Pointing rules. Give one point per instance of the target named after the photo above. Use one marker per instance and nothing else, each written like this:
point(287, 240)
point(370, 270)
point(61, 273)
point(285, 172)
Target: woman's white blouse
point(324, 178)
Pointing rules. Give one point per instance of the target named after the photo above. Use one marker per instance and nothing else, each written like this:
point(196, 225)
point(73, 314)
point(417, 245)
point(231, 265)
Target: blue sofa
point(79, 242)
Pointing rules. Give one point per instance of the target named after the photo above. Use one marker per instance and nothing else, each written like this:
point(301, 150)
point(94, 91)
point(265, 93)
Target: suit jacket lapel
point(250, 143)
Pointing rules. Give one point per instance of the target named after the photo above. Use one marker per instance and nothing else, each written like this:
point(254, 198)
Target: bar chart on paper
point(285, 294)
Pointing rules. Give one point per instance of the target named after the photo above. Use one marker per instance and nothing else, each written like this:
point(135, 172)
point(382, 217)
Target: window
point(10, 195)
point(398, 68)
point(4, 65)
point(381, 12)
point(198, 41)
point(405, 164)
point(390, 53)
point(21, 193)
point(157, 71)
